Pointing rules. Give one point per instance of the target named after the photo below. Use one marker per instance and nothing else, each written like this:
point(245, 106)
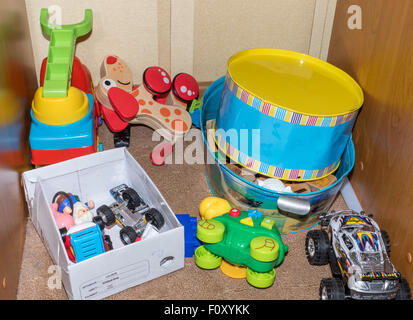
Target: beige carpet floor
point(183, 187)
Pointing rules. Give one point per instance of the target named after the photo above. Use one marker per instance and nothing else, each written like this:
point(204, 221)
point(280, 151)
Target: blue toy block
point(73, 135)
point(191, 241)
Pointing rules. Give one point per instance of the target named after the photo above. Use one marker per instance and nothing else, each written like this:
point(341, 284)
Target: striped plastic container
point(285, 114)
point(285, 208)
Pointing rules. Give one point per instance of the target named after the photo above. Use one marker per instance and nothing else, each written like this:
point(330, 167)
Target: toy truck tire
point(317, 247)
point(132, 197)
point(404, 292)
point(99, 221)
point(63, 234)
point(106, 214)
point(335, 269)
point(331, 289)
point(128, 235)
point(154, 217)
point(108, 242)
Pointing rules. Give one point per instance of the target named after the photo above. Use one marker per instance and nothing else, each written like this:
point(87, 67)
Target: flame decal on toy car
point(364, 238)
point(354, 220)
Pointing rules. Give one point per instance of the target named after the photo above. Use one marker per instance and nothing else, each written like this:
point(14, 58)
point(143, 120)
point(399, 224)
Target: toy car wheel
point(264, 249)
point(154, 217)
point(63, 234)
point(404, 292)
point(99, 221)
point(122, 138)
point(317, 247)
point(128, 235)
point(331, 289)
point(210, 231)
point(386, 240)
point(260, 279)
point(335, 269)
point(108, 242)
point(132, 197)
point(106, 214)
point(206, 259)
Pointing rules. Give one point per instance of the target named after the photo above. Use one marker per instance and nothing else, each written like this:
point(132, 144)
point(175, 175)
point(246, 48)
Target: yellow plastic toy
point(9, 107)
point(71, 108)
point(212, 207)
point(232, 270)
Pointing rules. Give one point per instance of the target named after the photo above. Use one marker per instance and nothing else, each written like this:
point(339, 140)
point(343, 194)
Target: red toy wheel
point(185, 87)
point(156, 80)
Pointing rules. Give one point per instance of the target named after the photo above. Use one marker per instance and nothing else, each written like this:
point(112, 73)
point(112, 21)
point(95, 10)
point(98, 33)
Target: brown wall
point(380, 58)
point(17, 82)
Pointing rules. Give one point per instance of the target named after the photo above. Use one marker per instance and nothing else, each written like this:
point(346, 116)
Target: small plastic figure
point(63, 219)
point(81, 232)
point(70, 204)
point(81, 213)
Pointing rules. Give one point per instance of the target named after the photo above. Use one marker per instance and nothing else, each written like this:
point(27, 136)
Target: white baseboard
point(324, 12)
point(350, 196)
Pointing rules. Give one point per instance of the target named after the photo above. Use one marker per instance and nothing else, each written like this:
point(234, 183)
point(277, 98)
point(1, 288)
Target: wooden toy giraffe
point(123, 104)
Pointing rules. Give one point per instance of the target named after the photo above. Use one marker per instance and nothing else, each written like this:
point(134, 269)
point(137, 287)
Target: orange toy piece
point(123, 104)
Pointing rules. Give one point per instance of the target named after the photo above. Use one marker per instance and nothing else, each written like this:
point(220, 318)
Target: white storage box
point(91, 177)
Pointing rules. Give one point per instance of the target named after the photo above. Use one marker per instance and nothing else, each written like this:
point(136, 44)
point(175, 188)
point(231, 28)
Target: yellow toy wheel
point(233, 270)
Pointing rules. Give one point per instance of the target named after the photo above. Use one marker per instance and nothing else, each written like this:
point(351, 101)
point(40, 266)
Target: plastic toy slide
point(63, 111)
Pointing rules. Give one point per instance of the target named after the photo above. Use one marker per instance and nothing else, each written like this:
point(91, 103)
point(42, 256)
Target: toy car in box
point(131, 212)
point(358, 253)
